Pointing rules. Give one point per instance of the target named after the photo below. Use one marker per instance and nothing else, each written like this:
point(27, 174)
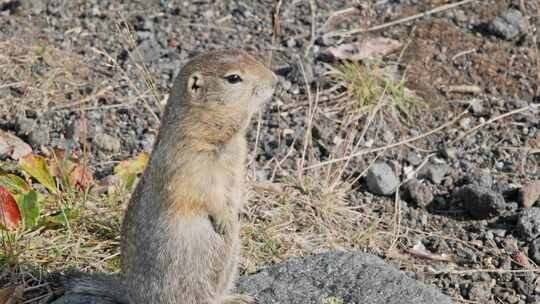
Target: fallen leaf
point(530, 193)
point(10, 216)
point(36, 166)
point(520, 259)
point(13, 146)
point(366, 49)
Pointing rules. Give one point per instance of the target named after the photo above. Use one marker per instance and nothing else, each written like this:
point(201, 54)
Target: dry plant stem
point(275, 35)
point(405, 141)
point(279, 162)
point(397, 205)
point(310, 115)
point(463, 53)
point(516, 111)
point(400, 21)
point(276, 27)
point(471, 271)
point(256, 147)
point(84, 100)
point(396, 227)
point(145, 73)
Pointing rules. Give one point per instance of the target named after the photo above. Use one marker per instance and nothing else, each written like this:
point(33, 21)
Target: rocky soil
point(461, 203)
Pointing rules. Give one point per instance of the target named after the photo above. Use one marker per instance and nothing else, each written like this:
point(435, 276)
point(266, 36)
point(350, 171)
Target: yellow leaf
point(36, 166)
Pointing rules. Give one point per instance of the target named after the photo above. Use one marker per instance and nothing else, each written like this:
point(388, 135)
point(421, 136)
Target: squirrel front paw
point(222, 223)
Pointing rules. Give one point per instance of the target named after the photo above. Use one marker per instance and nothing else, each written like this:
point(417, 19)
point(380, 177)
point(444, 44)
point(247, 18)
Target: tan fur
point(180, 237)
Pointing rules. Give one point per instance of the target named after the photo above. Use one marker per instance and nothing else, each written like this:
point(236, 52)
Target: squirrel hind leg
point(237, 299)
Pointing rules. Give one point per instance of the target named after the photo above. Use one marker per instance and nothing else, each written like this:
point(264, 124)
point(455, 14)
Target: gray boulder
point(349, 277)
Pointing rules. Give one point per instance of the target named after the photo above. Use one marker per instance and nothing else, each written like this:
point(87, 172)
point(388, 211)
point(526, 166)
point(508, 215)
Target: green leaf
point(29, 206)
point(14, 184)
point(36, 167)
point(60, 217)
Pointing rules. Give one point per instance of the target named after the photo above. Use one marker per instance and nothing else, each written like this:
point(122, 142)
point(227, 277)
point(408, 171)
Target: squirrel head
point(219, 91)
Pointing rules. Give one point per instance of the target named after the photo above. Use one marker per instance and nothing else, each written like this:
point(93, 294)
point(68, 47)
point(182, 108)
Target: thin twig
point(87, 99)
point(516, 111)
point(405, 141)
point(471, 271)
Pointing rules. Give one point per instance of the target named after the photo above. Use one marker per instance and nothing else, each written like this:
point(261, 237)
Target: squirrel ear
point(195, 84)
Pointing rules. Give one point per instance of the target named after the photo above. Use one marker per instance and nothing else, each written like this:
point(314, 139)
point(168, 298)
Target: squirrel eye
point(233, 78)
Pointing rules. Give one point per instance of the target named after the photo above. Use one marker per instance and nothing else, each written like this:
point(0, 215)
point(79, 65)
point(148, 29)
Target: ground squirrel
point(180, 235)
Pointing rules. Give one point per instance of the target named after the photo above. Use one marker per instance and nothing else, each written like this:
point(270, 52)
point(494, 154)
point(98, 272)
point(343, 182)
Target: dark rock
point(381, 179)
point(419, 193)
point(10, 6)
point(39, 137)
point(107, 142)
point(465, 122)
point(55, 7)
point(480, 202)
point(262, 175)
point(435, 172)
point(151, 50)
point(534, 251)
point(477, 107)
point(351, 277)
point(36, 136)
point(529, 194)
point(482, 178)
point(480, 291)
point(26, 125)
point(147, 142)
point(449, 153)
point(528, 223)
point(413, 158)
point(509, 25)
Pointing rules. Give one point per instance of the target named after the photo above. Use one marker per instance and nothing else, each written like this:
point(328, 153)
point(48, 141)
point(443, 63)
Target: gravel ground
point(97, 72)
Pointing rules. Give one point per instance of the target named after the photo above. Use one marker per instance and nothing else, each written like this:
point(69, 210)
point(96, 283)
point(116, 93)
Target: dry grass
point(294, 218)
point(40, 75)
point(362, 86)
